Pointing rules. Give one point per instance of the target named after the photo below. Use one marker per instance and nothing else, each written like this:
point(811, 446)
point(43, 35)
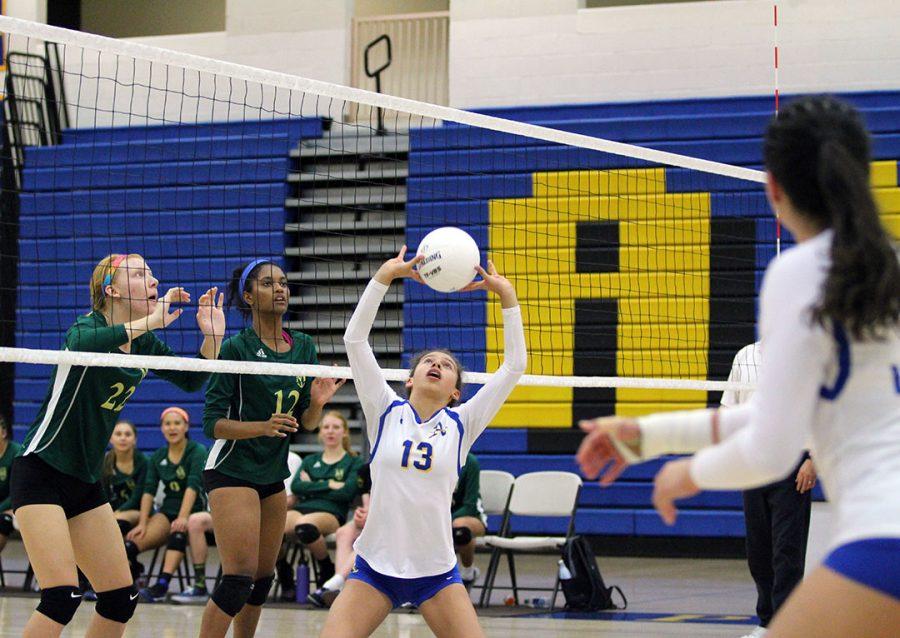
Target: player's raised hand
point(161, 317)
point(398, 268)
point(210, 317)
point(611, 444)
point(323, 389)
point(494, 282)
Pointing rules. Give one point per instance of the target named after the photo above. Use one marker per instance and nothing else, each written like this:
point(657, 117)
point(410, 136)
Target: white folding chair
point(495, 488)
point(533, 494)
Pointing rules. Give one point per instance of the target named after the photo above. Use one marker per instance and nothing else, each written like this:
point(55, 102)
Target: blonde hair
point(105, 267)
point(345, 440)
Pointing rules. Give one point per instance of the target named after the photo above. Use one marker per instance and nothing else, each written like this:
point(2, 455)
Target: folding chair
point(496, 488)
point(533, 494)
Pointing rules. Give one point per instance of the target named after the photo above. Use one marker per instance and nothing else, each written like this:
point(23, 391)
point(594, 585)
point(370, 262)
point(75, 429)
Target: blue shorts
point(873, 562)
point(404, 590)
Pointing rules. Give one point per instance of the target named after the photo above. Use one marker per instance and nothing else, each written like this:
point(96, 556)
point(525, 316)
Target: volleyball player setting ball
point(830, 375)
point(405, 552)
point(62, 509)
point(251, 417)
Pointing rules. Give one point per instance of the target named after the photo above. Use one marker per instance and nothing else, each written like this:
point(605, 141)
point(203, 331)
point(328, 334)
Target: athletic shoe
point(468, 582)
point(155, 594)
point(759, 632)
point(322, 597)
point(191, 596)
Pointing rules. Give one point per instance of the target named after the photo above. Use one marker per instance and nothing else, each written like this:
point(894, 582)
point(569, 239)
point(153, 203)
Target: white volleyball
point(450, 259)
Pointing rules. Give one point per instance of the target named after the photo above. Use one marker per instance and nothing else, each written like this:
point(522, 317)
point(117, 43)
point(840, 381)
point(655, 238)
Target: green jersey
point(177, 477)
point(73, 426)
point(315, 494)
point(12, 451)
point(255, 397)
point(124, 490)
point(467, 495)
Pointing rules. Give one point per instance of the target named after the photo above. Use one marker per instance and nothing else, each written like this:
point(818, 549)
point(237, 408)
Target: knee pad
point(117, 605)
point(260, 591)
point(131, 550)
point(59, 603)
point(178, 542)
point(462, 536)
point(232, 593)
point(124, 526)
point(307, 533)
point(6, 524)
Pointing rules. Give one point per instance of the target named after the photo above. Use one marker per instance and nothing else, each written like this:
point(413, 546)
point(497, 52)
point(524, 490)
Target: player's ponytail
point(818, 151)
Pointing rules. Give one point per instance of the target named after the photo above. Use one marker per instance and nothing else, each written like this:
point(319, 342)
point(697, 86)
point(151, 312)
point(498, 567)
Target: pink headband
point(180, 412)
point(113, 267)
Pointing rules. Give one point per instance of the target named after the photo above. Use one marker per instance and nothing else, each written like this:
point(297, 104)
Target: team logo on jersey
point(165, 462)
point(339, 474)
point(3, 473)
point(261, 353)
point(180, 473)
point(438, 429)
point(301, 382)
point(317, 464)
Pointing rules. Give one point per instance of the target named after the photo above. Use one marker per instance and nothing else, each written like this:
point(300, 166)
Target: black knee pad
point(178, 542)
point(131, 550)
point(124, 526)
point(307, 533)
point(6, 524)
point(59, 603)
point(260, 591)
point(462, 536)
point(232, 593)
point(117, 605)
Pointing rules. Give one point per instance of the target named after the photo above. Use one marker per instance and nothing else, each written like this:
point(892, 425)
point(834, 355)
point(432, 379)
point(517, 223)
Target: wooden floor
point(683, 597)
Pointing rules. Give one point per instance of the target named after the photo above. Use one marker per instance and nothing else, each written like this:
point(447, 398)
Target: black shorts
point(213, 479)
point(311, 510)
point(35, 482)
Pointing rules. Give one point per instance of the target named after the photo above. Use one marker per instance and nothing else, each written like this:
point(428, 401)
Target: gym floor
point(666, 597)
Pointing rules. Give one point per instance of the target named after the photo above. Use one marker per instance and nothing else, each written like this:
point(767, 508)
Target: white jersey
point(744, 369)
point(416, 459)
point(818, 389)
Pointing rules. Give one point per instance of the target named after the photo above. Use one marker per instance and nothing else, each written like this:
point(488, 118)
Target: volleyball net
point(637, 266)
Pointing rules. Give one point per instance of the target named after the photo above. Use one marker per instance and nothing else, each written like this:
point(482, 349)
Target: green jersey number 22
point(118, 389)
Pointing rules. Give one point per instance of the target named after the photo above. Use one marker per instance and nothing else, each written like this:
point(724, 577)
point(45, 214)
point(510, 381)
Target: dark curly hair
point(818, 150)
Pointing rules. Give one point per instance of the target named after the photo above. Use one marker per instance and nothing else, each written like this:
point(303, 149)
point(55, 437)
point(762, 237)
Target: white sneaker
point(759, 632)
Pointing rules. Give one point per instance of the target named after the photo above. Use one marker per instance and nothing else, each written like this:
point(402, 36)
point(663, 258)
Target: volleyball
point(450, 259)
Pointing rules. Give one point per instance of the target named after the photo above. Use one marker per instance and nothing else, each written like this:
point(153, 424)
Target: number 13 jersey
point(415, 462)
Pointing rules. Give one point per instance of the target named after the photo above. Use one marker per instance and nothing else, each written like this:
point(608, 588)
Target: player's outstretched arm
point(481, 408)
point(371, 388)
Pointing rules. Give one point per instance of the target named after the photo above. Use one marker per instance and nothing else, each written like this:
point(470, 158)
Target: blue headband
point(253, 264)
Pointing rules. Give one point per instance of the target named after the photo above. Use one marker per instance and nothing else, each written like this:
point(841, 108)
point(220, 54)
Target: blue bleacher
point(195, 200)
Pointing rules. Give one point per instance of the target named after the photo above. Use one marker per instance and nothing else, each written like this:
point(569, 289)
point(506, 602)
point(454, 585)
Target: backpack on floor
point(584, 588)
